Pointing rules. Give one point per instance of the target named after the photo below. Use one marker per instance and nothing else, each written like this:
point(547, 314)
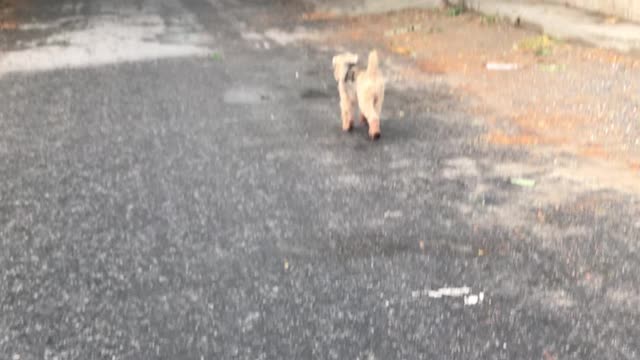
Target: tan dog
point(366, 87)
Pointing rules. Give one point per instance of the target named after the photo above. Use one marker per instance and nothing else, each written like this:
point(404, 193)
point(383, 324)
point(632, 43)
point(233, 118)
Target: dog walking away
point(364, 87)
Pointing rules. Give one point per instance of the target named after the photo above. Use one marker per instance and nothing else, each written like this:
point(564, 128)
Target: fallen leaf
point(8, 25)
point(539, 45)
point(523, 182)
point(495, 66)
point(401, 50)
point(552, 67)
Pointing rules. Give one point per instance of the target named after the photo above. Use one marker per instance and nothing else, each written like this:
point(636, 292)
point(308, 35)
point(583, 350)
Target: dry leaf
point(401, 50)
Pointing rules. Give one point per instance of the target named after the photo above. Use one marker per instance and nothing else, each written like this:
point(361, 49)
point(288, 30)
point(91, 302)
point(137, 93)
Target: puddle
point(284, 38)
point(104, 39)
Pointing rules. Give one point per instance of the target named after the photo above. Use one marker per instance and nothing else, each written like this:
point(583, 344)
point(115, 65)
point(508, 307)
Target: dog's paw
point(374, 136)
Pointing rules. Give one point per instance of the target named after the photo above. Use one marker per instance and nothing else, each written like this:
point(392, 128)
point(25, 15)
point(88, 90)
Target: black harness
point(351, 73)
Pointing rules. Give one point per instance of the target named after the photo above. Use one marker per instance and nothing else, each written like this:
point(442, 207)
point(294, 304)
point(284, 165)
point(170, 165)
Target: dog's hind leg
point(374, 125)
point(377, 103)
point(363, 119)
point(345, 109)
point(347, 116)
point(369, 110)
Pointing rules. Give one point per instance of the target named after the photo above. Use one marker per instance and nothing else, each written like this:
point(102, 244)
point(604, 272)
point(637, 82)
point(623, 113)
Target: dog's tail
point(373, 67)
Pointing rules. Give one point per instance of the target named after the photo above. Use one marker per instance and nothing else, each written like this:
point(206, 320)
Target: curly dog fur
point(366, 87)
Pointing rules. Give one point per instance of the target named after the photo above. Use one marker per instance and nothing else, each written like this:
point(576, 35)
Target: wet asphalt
point(211, 208)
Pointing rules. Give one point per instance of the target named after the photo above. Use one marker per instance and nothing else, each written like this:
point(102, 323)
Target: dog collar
point(351, 73)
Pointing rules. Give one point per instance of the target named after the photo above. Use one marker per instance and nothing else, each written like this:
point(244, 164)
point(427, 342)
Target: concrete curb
point(362, 7)
point(566, 23)
point(558, 21)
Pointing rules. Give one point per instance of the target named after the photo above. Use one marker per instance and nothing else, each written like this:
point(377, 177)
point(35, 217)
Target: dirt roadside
point(562, 98)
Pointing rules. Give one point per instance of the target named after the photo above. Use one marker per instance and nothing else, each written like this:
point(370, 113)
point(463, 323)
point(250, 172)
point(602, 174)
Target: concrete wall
point(629, 9)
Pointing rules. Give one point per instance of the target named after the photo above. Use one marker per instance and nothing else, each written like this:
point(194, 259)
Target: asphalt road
point(189, 195)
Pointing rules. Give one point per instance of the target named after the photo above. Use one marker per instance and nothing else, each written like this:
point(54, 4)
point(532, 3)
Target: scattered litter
point(421, 244)
point(455, 292)
point(286, 264)
point(474, 299)
point(266, 45)
point(481, 252)
point(297, 75)
point(552, 67)
point(216, 56)
point(403, 30)
point(523, 182)
point(495, 66)
point(273, 117)
point(449, 292)
point(393, 214)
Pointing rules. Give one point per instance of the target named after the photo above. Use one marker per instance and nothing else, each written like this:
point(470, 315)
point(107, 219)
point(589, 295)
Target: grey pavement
point(201, 202)
point(557, 20)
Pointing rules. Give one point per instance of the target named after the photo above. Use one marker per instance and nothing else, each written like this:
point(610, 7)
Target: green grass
point(489, 19)
point(538, 45)
point(456, 10)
